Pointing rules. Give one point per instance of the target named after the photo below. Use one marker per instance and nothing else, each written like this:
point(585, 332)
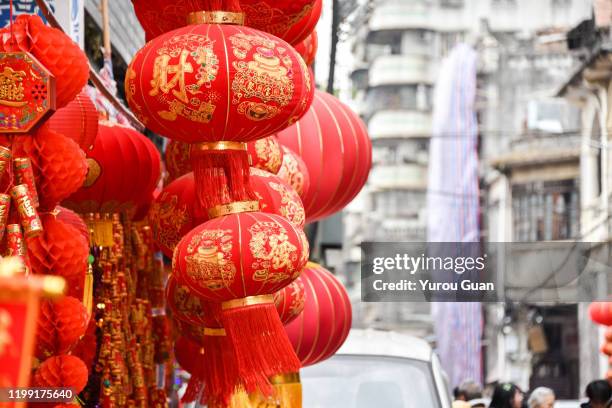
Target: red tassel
point(220, 371)
point(221, 177)
point(261, 345)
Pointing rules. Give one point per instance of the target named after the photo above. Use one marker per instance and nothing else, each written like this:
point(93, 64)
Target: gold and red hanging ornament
point(290, 20)
point(265, 154)
point(175, 212)
point(333, 142)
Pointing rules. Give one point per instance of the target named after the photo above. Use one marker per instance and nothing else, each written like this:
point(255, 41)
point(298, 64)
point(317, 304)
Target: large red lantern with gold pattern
point(214, 82)
point(334, 144)
point(175, 212)
point(239, 260)
point(321, 329)
point(291, 20)
point(124, 168)
point(290, 301)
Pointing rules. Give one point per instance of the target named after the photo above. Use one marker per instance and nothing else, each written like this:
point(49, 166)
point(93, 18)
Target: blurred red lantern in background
point(334, 144)
point(321, 329)
point(78, 121)
point(294, 172)
point(174, 212)
point(601, 313)
point(291, 20)
point(308, 48)
point(74, 220)
point(124, 168)
point(53, 49)
point(177, 159)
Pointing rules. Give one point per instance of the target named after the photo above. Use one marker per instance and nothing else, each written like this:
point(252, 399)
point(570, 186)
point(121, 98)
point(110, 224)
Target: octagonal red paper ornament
point(61, 56)
point(175, 213)
point(333, 142)
point(124, 168)
point(27, 92)
point(321, 329)
point(291, 20)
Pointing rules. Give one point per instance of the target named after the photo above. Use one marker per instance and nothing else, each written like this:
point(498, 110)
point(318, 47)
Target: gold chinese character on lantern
point(11, 87)
point(166, 77)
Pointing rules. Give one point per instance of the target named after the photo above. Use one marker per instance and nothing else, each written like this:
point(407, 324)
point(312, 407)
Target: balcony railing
point(401, 69)
point(400, 124)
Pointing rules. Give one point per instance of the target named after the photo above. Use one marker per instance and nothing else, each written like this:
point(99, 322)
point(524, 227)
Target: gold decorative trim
point(247, 301)
point(312, 265)
point(214, 332)
point(290, 378)
point(233, 208)
point(224, 145)
point(215, 17)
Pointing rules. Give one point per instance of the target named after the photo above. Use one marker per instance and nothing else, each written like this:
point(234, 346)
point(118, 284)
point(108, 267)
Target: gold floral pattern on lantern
point(274, 255)
point(291, 205)
point(209, 259)
point(180, 55)
point(268, 153)
point(185, 302)
point(265, 77)
point(171, 219)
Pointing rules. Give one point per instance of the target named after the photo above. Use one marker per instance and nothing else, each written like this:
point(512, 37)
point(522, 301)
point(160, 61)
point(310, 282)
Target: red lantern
point(62, 371)
point(178, 159)
point(218, 85)
point(78, 121)
point(187, 353)
point(240, 260)
point(291, 20)
point(58, 162)
point(290, 301)
point(308, 48)
point(335, 146)
point(53, 49)
point(212, 82)
point(601, 313)
point(266, 154)
point(60, 250)
point(294, 172)
point(324, 324)
point(124, 168)
point(175, 212)
point(60, 326)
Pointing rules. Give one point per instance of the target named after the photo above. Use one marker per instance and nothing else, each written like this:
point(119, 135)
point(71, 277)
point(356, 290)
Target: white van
point(376, 369)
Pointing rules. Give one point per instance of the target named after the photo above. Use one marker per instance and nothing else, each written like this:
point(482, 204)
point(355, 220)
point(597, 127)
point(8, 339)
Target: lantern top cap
point(215, 17)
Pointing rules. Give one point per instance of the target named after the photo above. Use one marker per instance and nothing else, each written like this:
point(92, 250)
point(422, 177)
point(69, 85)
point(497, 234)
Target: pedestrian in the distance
point(506, 395)
point(599, 393)
point(542, 397)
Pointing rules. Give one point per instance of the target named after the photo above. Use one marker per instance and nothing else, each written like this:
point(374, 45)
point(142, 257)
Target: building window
point(545, 211)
